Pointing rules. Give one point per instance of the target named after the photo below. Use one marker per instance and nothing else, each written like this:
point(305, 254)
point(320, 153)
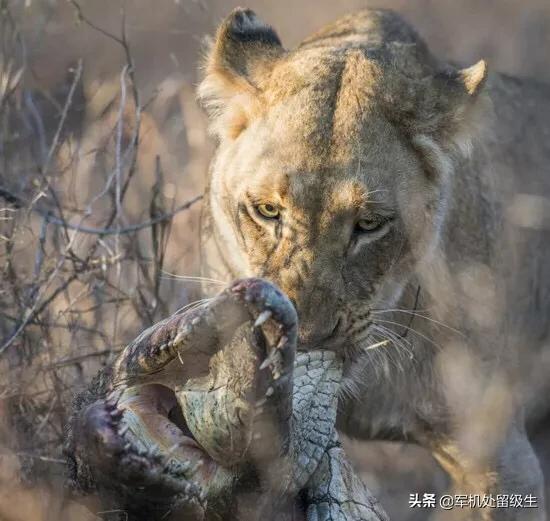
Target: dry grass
point(93, 218)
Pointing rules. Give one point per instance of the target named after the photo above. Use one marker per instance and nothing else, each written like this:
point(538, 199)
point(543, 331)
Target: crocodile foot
point(178, 420)
point(124, 472)
point(211, 414)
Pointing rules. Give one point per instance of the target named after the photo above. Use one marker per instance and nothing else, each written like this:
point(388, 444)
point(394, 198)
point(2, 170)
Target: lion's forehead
point(327, 100)
point(322, 145)
point(290, 169)
point(309, 148)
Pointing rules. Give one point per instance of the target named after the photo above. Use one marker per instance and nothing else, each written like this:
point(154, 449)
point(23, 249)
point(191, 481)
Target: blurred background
point(103, 153)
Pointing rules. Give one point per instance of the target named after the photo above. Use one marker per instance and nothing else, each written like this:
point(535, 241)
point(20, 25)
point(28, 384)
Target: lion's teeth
point(263, 317)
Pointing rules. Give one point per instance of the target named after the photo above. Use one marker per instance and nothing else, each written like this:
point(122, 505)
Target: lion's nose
point(320, 331)
point(338, 326)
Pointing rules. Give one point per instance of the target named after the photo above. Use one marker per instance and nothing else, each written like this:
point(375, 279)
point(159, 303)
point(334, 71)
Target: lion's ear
point(243, 50)
point(461, 105)
point(445, 114)
point(473, 78)
point(470, 113)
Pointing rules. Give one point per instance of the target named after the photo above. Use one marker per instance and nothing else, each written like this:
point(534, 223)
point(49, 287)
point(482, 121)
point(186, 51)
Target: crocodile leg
point(136, 482)
point(316, 465)
point(255, 420)
point(313, 464)
point(198, 334)
point(122, 442)
point(246, 398)
point(336, 493)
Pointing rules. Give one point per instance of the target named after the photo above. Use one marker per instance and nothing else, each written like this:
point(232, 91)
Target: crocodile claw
point(264, 316)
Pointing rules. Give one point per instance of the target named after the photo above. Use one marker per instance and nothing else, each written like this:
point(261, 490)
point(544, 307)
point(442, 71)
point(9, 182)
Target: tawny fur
point(361, 123)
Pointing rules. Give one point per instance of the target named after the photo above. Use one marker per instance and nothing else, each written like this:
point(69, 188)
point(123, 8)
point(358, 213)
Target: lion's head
point(335, 162)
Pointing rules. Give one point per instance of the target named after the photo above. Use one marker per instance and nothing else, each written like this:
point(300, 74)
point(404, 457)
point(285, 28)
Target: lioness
point(399, 202)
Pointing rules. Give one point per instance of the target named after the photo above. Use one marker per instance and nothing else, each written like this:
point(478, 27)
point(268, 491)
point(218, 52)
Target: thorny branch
point(72, 294)
point(50, 218)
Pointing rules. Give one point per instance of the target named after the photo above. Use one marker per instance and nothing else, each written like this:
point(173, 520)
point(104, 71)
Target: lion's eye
point(369, 225)
point(267, 210)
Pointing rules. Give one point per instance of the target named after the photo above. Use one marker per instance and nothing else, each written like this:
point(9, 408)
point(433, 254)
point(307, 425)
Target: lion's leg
point(510, 482)
point(508, 467)
point(520, 472)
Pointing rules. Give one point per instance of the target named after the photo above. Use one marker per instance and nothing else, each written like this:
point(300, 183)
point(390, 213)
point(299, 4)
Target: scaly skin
point(204, 417)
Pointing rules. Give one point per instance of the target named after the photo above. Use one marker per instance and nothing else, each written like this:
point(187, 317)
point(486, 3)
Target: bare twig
point(73, 294)
point(50, 218)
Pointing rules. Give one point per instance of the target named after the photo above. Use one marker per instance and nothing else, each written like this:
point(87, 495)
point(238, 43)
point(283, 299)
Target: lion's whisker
point(402, 343)
point(419, 315)
point(190, 278)
point(380, 339)
point(412, 330)
point(193, 305)
point(394, 355)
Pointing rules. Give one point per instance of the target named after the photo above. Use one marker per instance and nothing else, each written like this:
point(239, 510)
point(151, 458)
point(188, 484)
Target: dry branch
point(73, 294)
